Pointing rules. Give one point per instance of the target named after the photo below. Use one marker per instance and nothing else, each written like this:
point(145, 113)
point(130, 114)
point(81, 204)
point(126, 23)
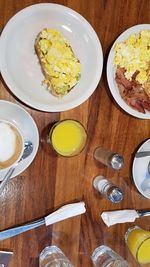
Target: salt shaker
point(109, 158)
point(108, 189)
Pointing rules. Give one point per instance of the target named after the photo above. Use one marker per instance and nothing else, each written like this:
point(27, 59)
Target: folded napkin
point(65, 212)
point(119, 216)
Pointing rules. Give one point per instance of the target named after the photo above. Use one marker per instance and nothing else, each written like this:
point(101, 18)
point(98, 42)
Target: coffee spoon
point(28, 148)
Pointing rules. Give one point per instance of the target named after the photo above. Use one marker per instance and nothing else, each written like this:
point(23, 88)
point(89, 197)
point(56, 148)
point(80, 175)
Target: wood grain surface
point(52, 181)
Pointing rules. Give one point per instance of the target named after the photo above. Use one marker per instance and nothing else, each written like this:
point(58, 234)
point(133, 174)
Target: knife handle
point(142, 154)
point(20, 229)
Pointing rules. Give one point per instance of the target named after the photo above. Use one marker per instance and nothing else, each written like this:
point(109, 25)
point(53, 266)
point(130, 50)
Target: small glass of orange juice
point(68, 137)
point(138, 242)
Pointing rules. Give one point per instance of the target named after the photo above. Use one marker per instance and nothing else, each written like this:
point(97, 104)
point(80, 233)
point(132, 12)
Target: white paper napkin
point(65, 212)
point(119, 216)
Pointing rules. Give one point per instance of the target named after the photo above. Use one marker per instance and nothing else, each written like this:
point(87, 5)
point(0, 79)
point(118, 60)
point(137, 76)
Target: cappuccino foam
point(10, 144)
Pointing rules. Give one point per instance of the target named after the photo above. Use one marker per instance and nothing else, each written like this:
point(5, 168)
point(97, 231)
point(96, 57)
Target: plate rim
point(23, 97)
point(133, 167)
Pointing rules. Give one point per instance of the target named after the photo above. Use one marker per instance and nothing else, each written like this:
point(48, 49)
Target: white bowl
point(140, 170)
point(24, 122)
point(111, 72)
point(19, 64)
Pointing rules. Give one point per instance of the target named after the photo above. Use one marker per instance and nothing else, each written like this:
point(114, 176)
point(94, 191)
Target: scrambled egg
point(134, 55)
point(62, 69)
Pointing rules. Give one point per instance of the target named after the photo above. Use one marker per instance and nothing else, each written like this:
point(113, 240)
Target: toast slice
point(60, 66)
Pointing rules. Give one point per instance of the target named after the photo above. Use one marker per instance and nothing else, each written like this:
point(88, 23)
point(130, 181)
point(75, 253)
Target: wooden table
point(53, 181)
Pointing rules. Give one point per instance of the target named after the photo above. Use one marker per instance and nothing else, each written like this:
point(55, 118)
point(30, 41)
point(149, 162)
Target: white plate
point(139, 169)
point(19, 64)
point(21, 118)
point(111, 72)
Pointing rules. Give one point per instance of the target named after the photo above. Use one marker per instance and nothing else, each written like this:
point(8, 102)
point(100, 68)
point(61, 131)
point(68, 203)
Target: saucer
point(25, 123)
point(139, 169)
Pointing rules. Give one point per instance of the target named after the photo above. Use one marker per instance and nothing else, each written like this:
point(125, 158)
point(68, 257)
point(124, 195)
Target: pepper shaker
point(108, 189)
point(109, 158)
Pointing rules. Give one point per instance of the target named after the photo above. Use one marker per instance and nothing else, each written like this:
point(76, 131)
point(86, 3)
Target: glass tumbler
point(104, 256)
point(68, 137)
point(138, 242)
point(52, 256)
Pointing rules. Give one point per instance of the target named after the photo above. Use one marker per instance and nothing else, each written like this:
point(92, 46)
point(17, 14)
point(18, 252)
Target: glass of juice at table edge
point(68, 137)
point(138, 242)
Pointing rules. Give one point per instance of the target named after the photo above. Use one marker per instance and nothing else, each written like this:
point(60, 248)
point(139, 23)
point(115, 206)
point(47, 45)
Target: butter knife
point(63, 213)
point(122, 216)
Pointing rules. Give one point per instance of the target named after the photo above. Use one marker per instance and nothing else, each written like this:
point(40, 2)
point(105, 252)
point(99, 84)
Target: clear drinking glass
point(104, 256)
point(52, 256)
point(138, 242)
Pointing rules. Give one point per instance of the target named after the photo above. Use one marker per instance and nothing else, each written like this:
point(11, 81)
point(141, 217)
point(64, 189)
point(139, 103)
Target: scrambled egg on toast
point(61, 68)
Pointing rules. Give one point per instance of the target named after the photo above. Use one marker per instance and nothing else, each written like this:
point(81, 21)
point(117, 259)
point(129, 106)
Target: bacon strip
point(132, 92)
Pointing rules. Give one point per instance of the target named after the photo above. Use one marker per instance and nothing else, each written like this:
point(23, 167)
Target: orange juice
point(138, 241)
point(68, 137)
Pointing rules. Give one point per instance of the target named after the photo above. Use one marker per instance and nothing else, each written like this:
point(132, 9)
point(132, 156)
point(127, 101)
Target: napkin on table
point(65, 212)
